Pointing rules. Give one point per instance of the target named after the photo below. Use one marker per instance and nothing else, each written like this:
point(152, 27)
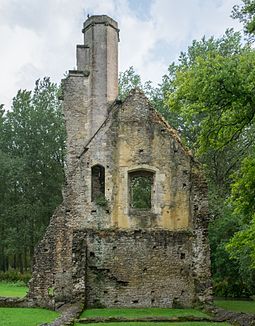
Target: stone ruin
point(132, 228)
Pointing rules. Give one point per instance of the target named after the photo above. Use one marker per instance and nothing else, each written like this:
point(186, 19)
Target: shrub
point(15, 277)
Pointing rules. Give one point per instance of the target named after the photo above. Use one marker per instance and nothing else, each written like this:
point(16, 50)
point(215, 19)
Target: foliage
point(128, 80)
point(140, 188)
point(26, 316)
point(246, 15)
point(51, 292)
point(230, 278)
point(32, 140)
point(15, 277)
point(243, 188)
point(242, 246)
point(101, 200)
point(215, 96)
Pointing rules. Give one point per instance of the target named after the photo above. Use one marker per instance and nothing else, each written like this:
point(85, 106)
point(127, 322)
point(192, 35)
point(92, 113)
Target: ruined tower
point(132, 229)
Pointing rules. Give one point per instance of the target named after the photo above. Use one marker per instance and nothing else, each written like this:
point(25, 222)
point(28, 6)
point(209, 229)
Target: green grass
point(157, 324)
point(12, 290)
point(239, 306)
point(25, 316)
point(140, 312)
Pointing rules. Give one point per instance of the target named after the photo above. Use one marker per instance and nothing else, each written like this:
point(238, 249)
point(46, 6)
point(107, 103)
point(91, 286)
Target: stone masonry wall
point(59, 265)
point(201, 248)
point(45, 260)
point(139, 268)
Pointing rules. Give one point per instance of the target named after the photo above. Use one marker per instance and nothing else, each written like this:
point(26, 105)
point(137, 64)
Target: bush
point(235, 288)
point(15, 277)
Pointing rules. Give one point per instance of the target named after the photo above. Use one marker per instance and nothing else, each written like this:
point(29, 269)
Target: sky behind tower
point(38, 38)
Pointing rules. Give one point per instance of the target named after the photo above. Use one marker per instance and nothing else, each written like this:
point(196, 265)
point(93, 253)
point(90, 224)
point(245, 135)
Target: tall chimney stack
point(98, 58)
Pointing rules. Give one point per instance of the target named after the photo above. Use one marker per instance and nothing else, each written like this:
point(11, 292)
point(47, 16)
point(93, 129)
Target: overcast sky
point(38, 37)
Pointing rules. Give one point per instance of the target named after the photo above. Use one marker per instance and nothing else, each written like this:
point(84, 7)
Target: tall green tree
point(242, 245)
point(213, 91)
point(32, 157)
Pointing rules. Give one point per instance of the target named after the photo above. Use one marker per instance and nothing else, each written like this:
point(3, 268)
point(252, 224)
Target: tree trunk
point(21, 269)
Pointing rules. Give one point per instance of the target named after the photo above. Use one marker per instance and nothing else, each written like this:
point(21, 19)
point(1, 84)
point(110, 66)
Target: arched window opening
point(97, 182)
point(140, 189)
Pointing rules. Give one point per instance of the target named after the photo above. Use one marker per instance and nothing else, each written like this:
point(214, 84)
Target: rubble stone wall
point(139, 268)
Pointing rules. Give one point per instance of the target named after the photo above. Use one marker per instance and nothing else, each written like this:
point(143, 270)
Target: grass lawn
point(147, 312)
point(233, 305)
point(25, 316)
point(12, 290)
point(157, 324)
point(140, 312)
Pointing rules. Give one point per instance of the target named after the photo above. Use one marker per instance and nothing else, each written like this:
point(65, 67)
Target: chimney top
point(100, 19)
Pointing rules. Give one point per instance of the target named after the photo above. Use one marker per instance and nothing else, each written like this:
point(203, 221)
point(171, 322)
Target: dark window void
point(97, 182)
point(140, 189)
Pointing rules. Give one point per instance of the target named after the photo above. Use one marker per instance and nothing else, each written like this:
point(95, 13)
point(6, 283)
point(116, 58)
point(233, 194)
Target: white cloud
point(177, 23)
point(38, 38)
point(16, 52)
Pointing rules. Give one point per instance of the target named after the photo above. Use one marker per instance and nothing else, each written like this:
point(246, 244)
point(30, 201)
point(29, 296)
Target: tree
point(128, 80)
point(242, 198)
point(32, 157)
point(231, 278)
point(217, 93)
point(246, 15)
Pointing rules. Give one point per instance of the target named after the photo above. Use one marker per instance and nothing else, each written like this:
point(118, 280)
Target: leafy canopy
point(246, 15)
point(214, 93)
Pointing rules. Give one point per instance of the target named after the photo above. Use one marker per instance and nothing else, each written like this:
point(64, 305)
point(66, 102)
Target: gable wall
point(144, 143)
point(132, 139)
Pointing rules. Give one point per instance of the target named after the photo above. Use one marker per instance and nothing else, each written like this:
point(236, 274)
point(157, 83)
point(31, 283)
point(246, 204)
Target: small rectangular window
point(97, 182)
